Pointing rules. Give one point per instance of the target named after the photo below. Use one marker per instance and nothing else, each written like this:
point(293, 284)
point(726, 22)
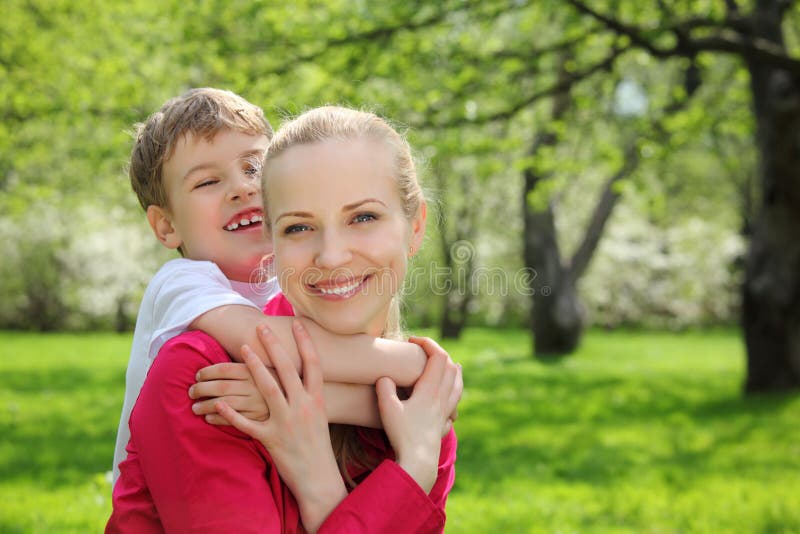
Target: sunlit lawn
point(638, 432)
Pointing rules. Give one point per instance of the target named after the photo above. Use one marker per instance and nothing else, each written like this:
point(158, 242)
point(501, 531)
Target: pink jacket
point(184, 475)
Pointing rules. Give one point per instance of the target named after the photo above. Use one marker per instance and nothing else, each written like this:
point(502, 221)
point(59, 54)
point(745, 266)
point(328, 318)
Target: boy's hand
point(232, 383)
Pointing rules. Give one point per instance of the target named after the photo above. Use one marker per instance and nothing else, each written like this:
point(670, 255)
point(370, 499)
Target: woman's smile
point(340, 290)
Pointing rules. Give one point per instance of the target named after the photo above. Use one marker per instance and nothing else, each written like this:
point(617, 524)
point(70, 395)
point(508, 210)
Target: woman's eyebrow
point(348, 207)
point(302, 214)
point(356, 204)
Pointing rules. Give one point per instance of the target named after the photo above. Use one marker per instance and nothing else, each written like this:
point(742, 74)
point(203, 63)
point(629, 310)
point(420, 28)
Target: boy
point(195, 169)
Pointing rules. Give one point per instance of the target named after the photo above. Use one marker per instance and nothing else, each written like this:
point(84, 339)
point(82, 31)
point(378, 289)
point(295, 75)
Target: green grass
point(638, 432)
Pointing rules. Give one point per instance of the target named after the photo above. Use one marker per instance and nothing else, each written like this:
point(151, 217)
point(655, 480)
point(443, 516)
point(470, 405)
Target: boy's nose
point(333, 251)
point(243, 187)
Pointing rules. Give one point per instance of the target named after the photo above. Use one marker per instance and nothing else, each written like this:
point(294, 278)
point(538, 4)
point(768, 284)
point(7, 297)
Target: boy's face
point(215, 211)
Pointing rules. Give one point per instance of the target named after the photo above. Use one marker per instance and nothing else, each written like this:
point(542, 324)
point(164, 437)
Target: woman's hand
point(415, 427)
point(296, 433)
point(233, 384)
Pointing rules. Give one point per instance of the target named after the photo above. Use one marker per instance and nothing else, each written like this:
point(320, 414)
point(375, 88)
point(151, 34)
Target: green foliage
point(638, 432)
point(631, 434)
point(59, 408)
point(462, 74)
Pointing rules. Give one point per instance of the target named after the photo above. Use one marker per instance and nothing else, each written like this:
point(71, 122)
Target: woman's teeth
point(339, 290)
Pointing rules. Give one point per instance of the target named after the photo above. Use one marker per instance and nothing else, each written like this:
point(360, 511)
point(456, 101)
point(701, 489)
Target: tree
point(491, 75)
point(771, 289)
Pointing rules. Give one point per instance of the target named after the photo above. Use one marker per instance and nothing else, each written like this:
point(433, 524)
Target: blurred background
point(613, 257)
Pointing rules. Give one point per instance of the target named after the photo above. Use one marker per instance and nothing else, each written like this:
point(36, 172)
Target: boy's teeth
point(245, 222)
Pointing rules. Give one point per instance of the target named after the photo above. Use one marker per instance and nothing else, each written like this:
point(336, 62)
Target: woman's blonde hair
point(346, 124)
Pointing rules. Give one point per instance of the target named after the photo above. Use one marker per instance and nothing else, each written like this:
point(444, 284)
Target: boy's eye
point(204, 183)
point(251, 165)
point(365, 217)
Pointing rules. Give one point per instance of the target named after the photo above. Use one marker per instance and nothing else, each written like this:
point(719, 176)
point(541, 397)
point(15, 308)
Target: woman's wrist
point(421, 469)
point(318, 501)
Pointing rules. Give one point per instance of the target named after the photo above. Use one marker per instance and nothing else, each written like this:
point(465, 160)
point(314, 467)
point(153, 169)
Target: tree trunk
point(459, 260)
point(771, 290)
point(454, 316)
point(556, 318)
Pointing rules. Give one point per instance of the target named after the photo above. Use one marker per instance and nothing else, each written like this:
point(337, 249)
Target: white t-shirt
point(180, 291)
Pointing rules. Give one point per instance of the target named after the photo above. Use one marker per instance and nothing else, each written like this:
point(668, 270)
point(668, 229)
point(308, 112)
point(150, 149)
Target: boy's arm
point(351, 404)
point(347, 404)
point(355, 359)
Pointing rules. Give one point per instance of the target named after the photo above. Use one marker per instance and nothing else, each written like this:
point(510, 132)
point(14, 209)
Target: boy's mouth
point(244, 220)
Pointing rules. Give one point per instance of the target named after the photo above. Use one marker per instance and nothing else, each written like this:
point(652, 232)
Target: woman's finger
point(287, 373)
point(220, 371)
point(265, 382)
point(455, 394)
point(242, 423)
point(388, 401)
point(312, 371)
point(448, 425)
point(434, 368)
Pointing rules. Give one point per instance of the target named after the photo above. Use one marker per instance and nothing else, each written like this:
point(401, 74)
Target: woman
point(345, 212)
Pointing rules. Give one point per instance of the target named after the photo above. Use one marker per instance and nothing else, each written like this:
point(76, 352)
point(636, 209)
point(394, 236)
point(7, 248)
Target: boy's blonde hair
point(201, 112)
point(339, 123)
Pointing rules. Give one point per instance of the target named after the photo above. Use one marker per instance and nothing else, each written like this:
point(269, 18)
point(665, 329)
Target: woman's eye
point(252, 170)
point(364, 217)
point(296, 228)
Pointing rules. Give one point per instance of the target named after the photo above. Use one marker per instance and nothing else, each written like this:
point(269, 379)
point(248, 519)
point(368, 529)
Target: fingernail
point(195, 407)
point(191, 391)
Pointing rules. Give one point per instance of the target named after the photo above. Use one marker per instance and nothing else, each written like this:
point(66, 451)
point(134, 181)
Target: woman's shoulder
point(194, 343)
point(184, 355)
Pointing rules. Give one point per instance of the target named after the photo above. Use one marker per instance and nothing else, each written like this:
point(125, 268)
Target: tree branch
point(731, 37)
point(755, 49)
point(388, 31)
point(560, 86)
point(601, 214)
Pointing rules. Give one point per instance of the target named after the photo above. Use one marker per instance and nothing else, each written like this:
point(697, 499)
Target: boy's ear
point(162, 227)
point(418, 228)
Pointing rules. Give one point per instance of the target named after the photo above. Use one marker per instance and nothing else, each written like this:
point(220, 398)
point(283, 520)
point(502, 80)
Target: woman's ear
point(418, 228)
point(162, 227)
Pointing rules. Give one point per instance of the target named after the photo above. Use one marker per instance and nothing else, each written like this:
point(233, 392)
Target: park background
point(613, 260)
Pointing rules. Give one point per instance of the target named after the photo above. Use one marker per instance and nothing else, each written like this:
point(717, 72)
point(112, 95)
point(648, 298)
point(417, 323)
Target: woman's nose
point(333, 251)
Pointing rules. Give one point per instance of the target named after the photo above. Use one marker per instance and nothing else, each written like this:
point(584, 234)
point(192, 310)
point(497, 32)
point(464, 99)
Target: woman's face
point(340, 237)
